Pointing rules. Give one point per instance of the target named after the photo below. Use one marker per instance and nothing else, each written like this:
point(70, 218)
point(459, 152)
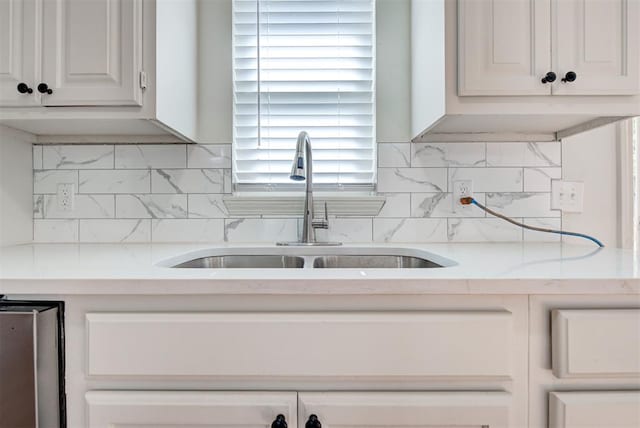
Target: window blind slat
point(304, 65)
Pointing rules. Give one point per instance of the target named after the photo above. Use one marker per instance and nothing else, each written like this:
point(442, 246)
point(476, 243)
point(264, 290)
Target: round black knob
point(279, 422)
point(313, 422)
point(43, 88)
point(550, 77)
point(571, 76)
point(23, 88)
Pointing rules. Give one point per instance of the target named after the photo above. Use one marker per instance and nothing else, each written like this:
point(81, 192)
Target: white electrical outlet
point(461, 189)
point(567, 196)
point(66, 196)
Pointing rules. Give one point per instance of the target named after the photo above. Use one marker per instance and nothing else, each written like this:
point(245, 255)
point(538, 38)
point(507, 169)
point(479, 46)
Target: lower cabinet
point(304, 410)
point(587, 409)
point(403, 409)
point(106, 409)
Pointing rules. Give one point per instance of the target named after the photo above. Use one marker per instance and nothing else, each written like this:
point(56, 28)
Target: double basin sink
point(305, 258)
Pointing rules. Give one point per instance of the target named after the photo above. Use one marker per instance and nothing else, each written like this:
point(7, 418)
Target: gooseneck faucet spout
point(302, 170)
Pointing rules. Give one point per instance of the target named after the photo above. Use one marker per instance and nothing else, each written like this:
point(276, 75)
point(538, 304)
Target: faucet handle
point(324, 223)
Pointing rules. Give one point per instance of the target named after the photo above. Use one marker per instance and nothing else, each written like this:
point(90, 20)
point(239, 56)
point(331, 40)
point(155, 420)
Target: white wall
point(393, 70)
point(16, 187)
point(215, 92)
point(591, 157)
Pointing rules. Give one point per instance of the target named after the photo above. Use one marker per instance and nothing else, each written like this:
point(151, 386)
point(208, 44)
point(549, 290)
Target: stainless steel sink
point(308, 258)
point(373, 262)
point(244, 262)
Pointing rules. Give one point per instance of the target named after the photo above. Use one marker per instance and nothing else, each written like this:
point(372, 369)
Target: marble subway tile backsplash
point(174, 193)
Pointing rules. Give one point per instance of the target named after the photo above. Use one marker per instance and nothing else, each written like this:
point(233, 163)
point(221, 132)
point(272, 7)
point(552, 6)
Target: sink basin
point(373, 262)
point(243, 262)
point(308, 258)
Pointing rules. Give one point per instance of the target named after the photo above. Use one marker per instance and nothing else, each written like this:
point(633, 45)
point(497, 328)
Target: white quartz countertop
point(487, 268)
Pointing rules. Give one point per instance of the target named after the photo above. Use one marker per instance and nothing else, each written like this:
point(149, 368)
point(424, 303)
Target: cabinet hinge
point(143, 80)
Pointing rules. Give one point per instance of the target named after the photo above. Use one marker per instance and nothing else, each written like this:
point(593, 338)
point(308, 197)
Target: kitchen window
point(304, 65)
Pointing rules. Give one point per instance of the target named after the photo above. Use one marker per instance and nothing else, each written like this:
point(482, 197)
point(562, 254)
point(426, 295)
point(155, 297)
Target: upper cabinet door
point(504, 47)
point(404, 409)
point(599, 41)
point(92, 52)
point(18, 53)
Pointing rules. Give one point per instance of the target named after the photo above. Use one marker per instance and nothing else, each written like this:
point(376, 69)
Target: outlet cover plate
point(66, 196)
point(461, 189)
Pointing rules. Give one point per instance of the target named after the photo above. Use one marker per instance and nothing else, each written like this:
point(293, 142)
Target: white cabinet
point(598, 40)
point(403, 409)
point(595, 343)
point(611, 409)
point(89, 54)
point(17, 53)
point(92, 52)
point(189, 409)
point(365, 345)
point(478, 68)
point(503, 47)
point(507, 47)
point(100, 67)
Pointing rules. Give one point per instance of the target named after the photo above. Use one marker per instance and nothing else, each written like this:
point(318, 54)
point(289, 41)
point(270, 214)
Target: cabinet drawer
point(611, 409)
point(443, 344)
point(589, 343)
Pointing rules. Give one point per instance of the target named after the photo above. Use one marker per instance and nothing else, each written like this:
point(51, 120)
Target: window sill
point(292, 204)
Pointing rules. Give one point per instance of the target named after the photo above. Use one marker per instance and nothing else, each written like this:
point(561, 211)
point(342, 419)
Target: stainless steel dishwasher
point(32, 364)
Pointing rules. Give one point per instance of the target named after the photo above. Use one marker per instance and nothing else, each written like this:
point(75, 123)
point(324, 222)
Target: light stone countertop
point(483, 268)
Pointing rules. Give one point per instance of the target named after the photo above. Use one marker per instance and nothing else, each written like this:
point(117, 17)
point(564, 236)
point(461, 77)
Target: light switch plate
point(567, 196)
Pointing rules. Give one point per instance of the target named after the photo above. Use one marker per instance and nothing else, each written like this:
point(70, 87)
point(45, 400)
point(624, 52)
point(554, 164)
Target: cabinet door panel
point(588, 343)
point(503, 47)
point(374, 345)
point(17, 52)
point(405, 409)
point(92, 52)
point(599, 40)
point(611, 409)
point(200, 409)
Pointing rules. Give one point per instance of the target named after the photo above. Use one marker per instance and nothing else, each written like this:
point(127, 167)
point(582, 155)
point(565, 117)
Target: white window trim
point(628, 186)
point(369, 187)
point(292, 204)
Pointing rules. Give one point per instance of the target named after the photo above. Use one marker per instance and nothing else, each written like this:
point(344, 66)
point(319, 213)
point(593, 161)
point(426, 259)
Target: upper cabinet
point(99, 67)
point(91, 53)
point(504, 47)
point(538, 47)
point(599, 42)
point(18, 53)
point(526, 69)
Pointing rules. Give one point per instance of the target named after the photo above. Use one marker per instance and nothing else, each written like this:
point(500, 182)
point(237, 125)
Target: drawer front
point(611, 409)
point(590, 343)
point(443, 344)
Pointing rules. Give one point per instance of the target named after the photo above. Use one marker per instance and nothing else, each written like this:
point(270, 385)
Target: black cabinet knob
point(571, 76)
point(43, 88)
point(279, 422)
point(313, 422)
point(550, 77)
point(23, 88)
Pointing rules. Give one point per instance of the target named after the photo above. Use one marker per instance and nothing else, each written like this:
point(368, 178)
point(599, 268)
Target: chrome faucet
point(302, 170)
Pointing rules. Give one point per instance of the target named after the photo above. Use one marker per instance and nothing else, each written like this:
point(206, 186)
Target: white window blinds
point(304, 65)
